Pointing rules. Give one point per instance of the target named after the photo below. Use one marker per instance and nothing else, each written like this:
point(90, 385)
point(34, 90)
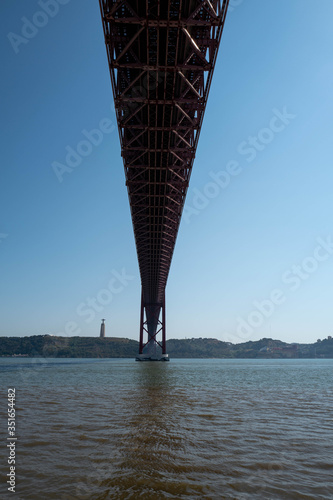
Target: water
point(192, 429)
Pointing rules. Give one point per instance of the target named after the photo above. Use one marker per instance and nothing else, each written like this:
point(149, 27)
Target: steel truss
point(152, 325)
point(161, 55)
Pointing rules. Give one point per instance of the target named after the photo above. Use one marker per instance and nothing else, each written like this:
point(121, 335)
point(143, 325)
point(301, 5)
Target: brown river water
point(188, 429)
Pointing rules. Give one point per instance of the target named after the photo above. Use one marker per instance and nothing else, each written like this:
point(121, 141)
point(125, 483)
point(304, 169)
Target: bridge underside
point(161, 56)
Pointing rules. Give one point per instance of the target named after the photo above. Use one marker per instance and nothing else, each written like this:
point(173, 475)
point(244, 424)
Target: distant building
point(102, 332)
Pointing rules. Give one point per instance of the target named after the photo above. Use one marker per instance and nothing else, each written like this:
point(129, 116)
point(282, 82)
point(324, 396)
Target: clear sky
point(254, 255)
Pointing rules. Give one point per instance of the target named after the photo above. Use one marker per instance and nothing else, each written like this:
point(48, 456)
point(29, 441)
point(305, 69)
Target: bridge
point(161, 55)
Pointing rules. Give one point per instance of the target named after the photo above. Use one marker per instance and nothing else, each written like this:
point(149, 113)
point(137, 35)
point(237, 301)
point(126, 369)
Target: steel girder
point(161, 55)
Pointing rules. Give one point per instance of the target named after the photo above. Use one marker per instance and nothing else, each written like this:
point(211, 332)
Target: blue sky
point(254, 254)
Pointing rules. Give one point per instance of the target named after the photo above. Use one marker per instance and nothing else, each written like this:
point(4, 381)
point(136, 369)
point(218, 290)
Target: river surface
point(188, 429)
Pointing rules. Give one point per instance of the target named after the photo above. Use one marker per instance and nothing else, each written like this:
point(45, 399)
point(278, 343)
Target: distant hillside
point(264, 348)
point(68, 347)
point(95, 347)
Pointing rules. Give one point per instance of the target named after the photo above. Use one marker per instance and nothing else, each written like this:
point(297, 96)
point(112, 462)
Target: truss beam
point(161, 56)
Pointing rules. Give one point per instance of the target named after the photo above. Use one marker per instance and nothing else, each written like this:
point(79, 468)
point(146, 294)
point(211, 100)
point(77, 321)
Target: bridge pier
point(150, 323)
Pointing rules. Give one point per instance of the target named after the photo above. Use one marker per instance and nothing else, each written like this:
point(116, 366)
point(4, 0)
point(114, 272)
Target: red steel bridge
point(161, 55)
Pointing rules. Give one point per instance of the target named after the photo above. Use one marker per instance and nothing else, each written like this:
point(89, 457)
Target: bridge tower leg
point(142, 313)
point(150, 323)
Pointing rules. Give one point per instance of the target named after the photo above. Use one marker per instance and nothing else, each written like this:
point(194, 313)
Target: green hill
point(95, 347)
point(68, 347)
